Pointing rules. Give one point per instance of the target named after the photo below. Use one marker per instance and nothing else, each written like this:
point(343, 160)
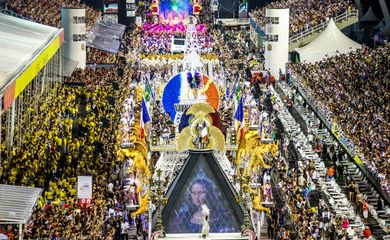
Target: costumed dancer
point(205, 227)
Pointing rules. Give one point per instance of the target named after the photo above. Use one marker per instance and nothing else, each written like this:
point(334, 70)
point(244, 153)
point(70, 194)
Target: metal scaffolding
point(27, 105)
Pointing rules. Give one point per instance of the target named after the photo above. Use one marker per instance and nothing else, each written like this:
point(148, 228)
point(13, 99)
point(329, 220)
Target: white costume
point(205, 227)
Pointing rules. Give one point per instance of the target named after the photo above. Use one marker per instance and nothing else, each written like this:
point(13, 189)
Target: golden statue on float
point(201, 134)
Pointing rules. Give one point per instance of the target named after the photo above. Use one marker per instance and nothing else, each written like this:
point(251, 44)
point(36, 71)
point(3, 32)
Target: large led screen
point(201, 188)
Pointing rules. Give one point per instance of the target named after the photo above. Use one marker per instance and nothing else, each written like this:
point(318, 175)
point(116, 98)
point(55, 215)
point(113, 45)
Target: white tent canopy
point(329, 43)
point(20, 41)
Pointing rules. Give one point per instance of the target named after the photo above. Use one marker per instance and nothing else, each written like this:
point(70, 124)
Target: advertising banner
point(84, 187)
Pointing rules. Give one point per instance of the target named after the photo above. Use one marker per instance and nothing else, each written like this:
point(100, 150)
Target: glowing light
point(175, 7)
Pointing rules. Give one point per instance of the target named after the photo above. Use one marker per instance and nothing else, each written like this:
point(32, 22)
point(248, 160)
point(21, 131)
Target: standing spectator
point(351, 190)
point(345, 225)
point(340, 170)
point(365, 211)
point(124, 230)
point(330, 173)
point(270, 227)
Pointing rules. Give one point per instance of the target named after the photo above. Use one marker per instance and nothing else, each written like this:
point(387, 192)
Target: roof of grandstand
point(17, 203)
point(21, 42)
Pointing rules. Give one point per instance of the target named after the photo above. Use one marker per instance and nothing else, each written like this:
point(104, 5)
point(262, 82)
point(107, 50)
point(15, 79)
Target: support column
point(359, 7)
point(44, 75)
point(20, 231)
point(174, 68)
point(277, 40)
point(1, 113)
point(73, 22)
point(150, 220)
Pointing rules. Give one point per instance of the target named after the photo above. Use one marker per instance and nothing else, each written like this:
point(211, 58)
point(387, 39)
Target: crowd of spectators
point(303, 14)
point(75, 130)
point(353, 91)
point(74, 133)
point(49, 12)
point(96, 56)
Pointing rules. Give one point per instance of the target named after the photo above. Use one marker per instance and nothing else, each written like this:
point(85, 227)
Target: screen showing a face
point(201, 188)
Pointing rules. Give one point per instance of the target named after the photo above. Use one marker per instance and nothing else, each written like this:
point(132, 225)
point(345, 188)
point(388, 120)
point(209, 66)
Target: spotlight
point(175, 7)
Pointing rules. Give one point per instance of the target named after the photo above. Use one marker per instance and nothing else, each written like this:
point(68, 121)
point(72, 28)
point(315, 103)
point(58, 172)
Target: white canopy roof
point(17, 203)
point(330, 42)
point(20, 41)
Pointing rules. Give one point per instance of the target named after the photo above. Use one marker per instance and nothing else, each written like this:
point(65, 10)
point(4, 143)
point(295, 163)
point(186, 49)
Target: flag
point(227, 90)
point(234, 87)
point(239, 116)
point(238, 91)
point(261, 128)
point(145, 118)
point(263, 117)
point(204, 129)
point(148, 90)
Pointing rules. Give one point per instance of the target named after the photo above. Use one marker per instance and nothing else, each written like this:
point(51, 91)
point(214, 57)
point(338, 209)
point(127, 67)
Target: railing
point(321, 26)
point(258, 29)
point(171, 145)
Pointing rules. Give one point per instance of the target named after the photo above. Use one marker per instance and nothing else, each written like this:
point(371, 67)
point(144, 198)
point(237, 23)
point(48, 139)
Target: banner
point(9, 96)
point(84, 187)
point(346, 142)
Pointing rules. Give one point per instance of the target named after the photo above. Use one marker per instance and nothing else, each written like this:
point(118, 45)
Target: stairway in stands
point(352, 169)
point(294, 113)
point(280, 203)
